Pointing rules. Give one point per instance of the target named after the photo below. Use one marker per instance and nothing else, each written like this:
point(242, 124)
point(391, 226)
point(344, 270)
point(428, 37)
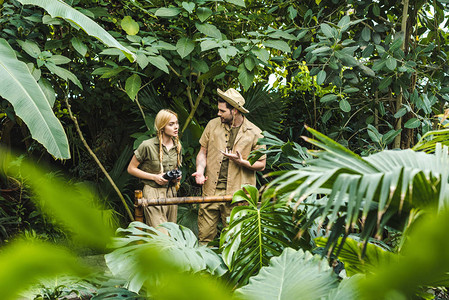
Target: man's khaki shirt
point(148, 156)
point(215, 138)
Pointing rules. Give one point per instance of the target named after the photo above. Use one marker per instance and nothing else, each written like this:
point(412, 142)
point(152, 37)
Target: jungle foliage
point(81, 82)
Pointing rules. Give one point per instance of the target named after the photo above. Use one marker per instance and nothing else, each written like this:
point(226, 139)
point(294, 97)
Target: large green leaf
point(184, 46)
point(226, 53)
point(167, 12)
point(246, 77)
point(58, 8)
point(254, 235)
point(277, 44)
point(181, 248)
point(63, 73)
point(30, 103)
point(129, 25)
point(209, 30)
point(261, 54)
point(203, 13)
point(209, 44)
point(31, 48)
point(160, 62)
point(79, 46)
point(132, 86)
point(293, 275)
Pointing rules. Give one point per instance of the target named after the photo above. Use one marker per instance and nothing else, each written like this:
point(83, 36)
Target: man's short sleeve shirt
point(215, 138)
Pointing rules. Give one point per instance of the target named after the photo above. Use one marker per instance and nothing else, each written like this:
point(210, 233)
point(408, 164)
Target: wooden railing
point(140, 202)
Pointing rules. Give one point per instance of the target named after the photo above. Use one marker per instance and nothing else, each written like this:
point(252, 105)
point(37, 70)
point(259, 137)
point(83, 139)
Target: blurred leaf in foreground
point(70, 205)
point(424, 261)
point(23, 263)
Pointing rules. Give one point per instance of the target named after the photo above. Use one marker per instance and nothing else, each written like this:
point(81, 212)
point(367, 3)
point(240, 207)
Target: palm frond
point(265, 107)
point(359, 257)
point(370, 190)
point(118, 174)
point(429, 140)
point(149, 98)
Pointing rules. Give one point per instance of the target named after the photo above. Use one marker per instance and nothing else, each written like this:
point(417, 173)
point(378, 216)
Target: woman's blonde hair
point(162, 119)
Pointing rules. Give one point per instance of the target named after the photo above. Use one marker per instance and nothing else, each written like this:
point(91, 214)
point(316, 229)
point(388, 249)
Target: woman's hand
point(159, 179)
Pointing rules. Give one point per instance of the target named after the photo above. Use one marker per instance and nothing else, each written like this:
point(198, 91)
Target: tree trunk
point(94, 156)
point(397, 140)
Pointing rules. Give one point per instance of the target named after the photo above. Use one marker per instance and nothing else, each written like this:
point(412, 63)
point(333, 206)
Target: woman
point(152, 159)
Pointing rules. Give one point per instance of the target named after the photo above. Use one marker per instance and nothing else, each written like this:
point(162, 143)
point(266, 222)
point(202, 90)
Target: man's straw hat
point(234, 98)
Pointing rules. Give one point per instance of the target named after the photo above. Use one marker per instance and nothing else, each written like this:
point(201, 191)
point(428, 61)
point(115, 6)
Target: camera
point(172, 175)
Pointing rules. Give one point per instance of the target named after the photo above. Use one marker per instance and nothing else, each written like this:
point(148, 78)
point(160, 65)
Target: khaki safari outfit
point(224, 177)
point(148, 156)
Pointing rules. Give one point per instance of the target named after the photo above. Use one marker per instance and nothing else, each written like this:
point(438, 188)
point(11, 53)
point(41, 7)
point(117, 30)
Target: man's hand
point(235, 157)
point(199, 178)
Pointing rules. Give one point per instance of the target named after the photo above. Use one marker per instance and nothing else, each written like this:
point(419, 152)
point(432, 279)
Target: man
point(221, 164)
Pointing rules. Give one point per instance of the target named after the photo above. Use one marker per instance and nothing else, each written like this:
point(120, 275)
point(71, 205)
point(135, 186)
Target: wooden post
point(138, 209)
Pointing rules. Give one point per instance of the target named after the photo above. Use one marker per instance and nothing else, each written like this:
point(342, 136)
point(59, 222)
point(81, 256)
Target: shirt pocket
point(244, 145)
point(154, 165)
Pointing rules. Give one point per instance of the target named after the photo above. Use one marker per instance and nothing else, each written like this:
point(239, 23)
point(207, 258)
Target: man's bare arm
point(200, 166)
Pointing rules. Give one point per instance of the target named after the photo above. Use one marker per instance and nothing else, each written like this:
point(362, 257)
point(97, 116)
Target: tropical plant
point(256, 233)
point(365, 194)
point(19, 214)
point(266, 109)
point(381, 63)
point(33, 100)
point(59, 288)
point(280, 154)
point(187, 50)
point(430, 139)
point(181, 247)
point(122, 180)
point(68, 209)
point(30, 102)
point(421, 263)
point(26, 262)
point(359, 257)
point(296, 274)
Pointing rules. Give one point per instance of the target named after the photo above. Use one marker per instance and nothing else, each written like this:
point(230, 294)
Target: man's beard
point(227, 121)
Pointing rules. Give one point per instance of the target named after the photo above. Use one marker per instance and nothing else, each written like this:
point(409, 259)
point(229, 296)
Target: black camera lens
point(172, 174)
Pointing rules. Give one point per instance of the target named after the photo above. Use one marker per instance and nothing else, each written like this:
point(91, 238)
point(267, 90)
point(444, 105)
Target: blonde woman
point(152, 159)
